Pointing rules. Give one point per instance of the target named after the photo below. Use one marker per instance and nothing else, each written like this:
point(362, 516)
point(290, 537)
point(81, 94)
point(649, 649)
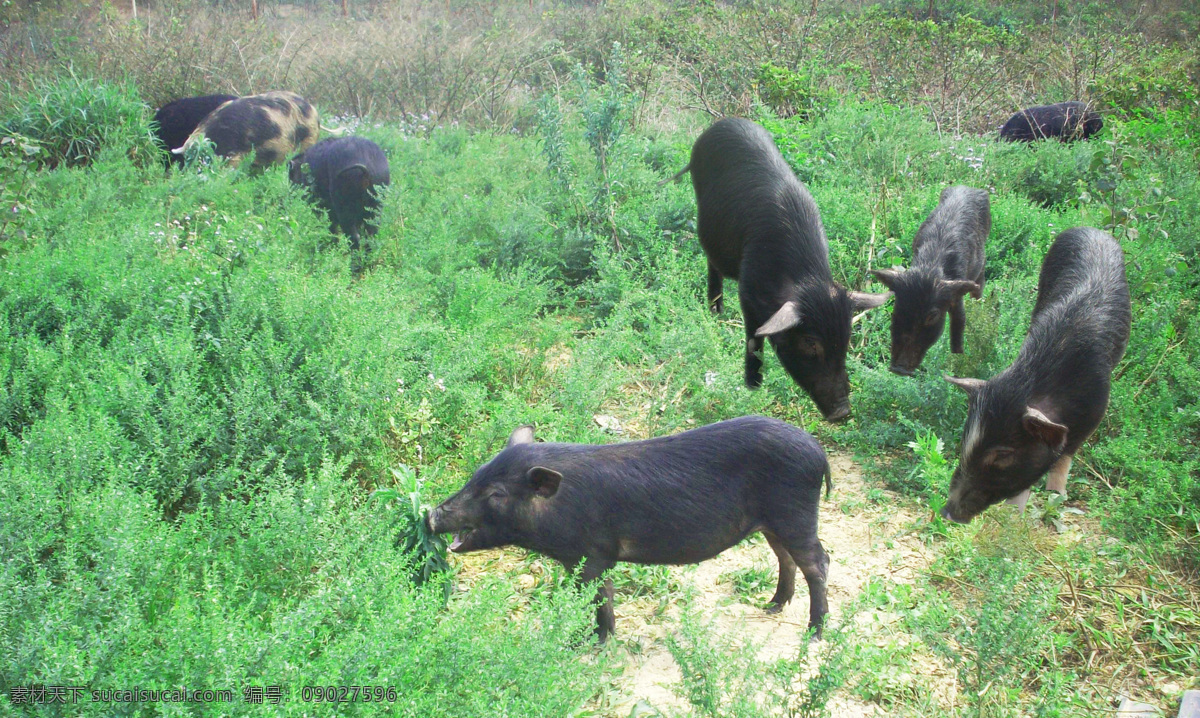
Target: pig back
point(682, 498)
point(1082, 285)
point(952, 237)
point(1078, 333)
point(746, 194)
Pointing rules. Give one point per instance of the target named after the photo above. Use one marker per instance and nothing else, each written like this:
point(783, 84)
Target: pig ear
point(862, 301)
point(959, 287)
point(545, 481)
point(1052, 434)
point(784, 319)
point(522, 435)
point(887, 277)
point(971, 386)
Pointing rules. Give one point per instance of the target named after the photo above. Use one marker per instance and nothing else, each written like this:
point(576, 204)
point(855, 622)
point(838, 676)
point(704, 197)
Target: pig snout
point(946, 514)
point(840, 413)
point(905, 357)
point(831, 393)
point(442, 521)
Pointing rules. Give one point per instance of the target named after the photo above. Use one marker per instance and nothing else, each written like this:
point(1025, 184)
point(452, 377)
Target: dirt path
point(864, 539)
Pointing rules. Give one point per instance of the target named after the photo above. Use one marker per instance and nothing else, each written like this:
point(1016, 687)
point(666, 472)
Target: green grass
point(198, 397)
point(74, 118)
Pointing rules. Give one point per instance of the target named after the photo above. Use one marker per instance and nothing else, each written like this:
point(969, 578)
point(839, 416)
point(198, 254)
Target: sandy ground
point(865, 539)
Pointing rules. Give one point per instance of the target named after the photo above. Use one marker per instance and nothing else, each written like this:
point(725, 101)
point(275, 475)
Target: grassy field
point(217, 427)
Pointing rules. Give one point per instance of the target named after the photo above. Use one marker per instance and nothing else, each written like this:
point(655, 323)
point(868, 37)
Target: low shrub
point(74, 118)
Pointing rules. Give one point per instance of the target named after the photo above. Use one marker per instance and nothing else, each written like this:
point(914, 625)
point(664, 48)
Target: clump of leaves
point(751, 583)
point(18, 156)
point(73, 118)
point(428, 550)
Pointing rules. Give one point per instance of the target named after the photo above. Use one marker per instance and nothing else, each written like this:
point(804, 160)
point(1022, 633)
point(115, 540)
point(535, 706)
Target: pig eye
point(932, 318)
point(1000, 457)
point(810, 346)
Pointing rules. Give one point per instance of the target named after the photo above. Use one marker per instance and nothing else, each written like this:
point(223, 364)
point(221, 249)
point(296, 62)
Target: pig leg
point(1020, 500)
point(1056, 480)
point(716, 295)
point(754, 348)
point(787, 574)
point(958, 323)
point(606, 620)
point(814, 564)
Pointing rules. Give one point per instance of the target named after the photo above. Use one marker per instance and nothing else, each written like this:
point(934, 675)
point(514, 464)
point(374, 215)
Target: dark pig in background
point(342, 175)
point(272, 125)
point(947, 263)
point(672, 500)
point(1032, 417)
point(759, 225)
point(1065, 120)
point(176, 120)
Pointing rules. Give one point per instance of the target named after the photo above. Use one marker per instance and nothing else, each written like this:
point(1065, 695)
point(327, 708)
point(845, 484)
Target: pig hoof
point(753, 381)
point(773, 608)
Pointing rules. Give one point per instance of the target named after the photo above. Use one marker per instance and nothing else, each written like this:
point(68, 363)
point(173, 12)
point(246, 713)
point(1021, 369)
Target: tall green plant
point(74, 118)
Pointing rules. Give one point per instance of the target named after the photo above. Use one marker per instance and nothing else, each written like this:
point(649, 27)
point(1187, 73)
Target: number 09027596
point(348, 694)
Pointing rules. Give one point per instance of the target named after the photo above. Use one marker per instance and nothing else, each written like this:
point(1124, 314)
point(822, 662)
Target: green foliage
point(988, 610)
point(786, 92)
point(931, 475)
point(74, 118)
point(751, 584)
point(1154, 82)
point(18, 159)
point(723, 674)
point(427, 551)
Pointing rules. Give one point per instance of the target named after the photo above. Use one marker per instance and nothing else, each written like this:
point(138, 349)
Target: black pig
point(1033, 416)
point(176, 120)
point(672, 500)
point(271, 125)
point(947, 263)
point(341, 175)
point(1066, 120)
point(759, 225)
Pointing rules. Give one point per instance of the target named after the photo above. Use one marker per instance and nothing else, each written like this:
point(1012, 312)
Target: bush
point(74, 118)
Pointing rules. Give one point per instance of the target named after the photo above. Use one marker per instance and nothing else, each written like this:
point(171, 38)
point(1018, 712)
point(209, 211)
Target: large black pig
point(759, 225)
point(1032, 417)
point(178, 119)
point(947, 263)
point(672, 500)
point(1065, 120)
point(342, 175)
point(271, 125)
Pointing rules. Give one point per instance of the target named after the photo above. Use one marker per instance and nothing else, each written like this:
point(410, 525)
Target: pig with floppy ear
point(545, 481)
point(1007, 446)
point(811, 334)
point(923, 299)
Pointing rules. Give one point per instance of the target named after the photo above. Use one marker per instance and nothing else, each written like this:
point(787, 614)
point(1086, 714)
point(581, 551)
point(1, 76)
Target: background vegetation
point(216, 428)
